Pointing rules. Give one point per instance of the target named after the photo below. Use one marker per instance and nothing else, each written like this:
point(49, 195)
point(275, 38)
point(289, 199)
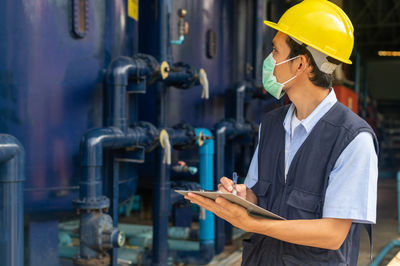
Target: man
point(316, 162)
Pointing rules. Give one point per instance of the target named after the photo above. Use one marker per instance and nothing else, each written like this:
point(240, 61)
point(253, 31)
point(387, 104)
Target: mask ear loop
point(290, 59)
point(289, 80)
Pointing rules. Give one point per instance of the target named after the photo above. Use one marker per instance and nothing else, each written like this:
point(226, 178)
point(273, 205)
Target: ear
point(303, 63)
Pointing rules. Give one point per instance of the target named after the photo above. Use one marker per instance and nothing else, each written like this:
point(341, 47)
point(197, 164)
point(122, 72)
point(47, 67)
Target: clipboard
point(252, 209)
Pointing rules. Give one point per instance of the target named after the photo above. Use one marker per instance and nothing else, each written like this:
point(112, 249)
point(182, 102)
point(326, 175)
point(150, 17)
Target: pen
point(235, 179)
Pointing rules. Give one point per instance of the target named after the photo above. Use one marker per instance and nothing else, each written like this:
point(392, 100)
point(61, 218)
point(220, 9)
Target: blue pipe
point(182, 76)
point(161, 195)
point(92, 146)
point(207, 224)
point(12, 177)
point(258, 39)
point(118, 74)
point(225, 131)
point(220, 142)
point(94, 225)
point(161, 205)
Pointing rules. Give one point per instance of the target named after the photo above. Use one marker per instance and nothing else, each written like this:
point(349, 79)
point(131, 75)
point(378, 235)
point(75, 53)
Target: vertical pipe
point(220, 168)
point(357, 74)
point(12, 176)
point(206, 152)
point(229, 166)
point(117, 107)
point(258, 39)
point(115, 206)
point(239, 103)
point(161, 195)
point(365, 85)
point(161, 192)
point(162, 21)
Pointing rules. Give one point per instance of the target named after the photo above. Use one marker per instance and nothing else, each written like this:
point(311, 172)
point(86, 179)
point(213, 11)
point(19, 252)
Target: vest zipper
point(281, 200)
point(283, 188)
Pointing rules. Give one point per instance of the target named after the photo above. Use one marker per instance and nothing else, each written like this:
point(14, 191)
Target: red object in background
point(347, 96)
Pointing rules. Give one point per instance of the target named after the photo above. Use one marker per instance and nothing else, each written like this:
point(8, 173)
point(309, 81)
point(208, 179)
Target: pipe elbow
point(10, 147)
point(12, 159)
point(94, 141)
point(118, 71)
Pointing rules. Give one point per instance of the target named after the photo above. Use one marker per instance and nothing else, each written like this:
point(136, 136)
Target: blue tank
point(51, 86)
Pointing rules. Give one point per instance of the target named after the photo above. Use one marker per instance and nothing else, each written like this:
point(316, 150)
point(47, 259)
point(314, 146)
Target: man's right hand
point(226, 185)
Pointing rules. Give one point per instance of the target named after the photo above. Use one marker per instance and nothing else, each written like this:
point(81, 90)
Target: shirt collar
point(315, 116)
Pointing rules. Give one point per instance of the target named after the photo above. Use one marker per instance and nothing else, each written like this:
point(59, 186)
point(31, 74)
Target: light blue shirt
point(352, 186)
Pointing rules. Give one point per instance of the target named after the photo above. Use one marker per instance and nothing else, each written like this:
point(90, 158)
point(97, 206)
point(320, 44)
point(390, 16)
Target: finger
point(200, 200)
point(241, 190)
point(208, 204)
point(227, 183)
point(221, 188)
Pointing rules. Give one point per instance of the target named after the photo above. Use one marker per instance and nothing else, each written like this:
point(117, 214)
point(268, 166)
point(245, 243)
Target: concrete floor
point(384, 230)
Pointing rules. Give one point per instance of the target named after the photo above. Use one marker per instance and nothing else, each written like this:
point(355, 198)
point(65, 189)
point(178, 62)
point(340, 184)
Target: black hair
point(318, 78)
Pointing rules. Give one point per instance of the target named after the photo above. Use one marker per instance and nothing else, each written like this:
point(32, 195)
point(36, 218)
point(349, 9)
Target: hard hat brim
point(279, 28)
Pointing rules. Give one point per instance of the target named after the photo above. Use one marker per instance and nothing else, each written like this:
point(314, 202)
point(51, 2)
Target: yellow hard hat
point(321, 25)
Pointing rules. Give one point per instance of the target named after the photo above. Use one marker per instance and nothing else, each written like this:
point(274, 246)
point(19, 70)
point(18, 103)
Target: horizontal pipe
point(12, 176)
point(182, 76)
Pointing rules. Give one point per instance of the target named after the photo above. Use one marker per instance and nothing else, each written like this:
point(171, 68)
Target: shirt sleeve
point(352, 186)
point(252, 174)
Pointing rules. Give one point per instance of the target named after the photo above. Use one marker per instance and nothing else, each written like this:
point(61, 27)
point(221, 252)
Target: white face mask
point(272, 86)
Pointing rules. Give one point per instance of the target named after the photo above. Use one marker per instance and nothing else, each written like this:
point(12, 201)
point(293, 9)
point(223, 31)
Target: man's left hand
point(231, 212)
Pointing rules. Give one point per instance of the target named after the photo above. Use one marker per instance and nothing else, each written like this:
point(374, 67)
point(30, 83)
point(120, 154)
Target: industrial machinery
point(103, 99)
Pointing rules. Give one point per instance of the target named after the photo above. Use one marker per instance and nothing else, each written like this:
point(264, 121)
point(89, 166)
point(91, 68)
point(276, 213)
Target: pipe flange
point(152, 64)
point(92, 204)
point(193, 75)
point(190, 135)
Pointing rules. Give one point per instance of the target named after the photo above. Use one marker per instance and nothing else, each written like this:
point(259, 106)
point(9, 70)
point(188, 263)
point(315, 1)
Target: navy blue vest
point(302, 195)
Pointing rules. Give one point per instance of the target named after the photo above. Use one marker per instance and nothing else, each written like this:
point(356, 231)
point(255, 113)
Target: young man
point(316, 162)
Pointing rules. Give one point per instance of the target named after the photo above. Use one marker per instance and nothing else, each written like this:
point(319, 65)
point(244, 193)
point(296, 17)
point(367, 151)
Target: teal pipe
point(395, 242)
point(206, 152)
point(179, 41)
point(392, 244)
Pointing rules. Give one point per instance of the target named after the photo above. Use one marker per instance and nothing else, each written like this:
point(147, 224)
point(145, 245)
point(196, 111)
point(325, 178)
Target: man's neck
point(307, 100)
